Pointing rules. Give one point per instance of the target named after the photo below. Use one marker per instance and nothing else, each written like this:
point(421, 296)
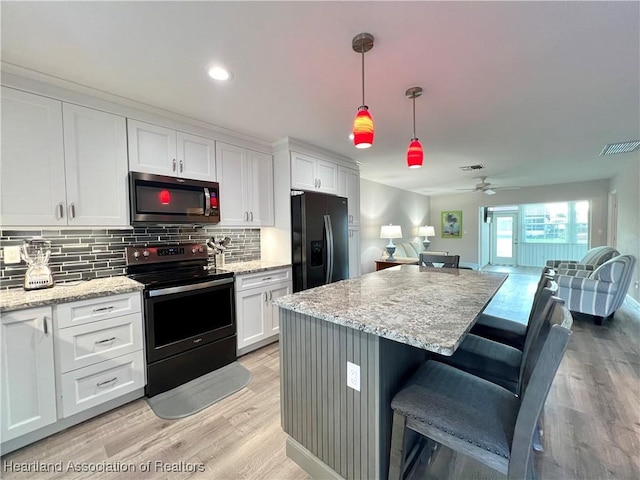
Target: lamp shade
point(390, 231)
point(415, 154)
point(426, 231)
point(363, 129)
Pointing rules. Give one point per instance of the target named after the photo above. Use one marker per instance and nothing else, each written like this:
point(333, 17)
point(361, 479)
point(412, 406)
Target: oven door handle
point(188, 288)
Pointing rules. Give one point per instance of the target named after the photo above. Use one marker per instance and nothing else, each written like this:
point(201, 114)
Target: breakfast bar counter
point(384, 324)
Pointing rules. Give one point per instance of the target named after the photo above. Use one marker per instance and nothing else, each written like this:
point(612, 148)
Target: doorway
point(504, 236)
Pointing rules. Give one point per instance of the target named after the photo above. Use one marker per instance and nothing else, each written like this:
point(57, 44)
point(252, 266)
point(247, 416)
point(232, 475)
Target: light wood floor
point(591, 421)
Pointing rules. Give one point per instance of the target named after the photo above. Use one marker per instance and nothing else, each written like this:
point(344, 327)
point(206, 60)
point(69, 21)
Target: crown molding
point(40, 83)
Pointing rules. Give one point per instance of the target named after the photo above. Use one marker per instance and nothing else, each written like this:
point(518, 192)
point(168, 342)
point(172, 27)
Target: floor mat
point(200, 393)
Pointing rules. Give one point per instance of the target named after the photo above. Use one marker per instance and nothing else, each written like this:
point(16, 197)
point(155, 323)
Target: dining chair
point(445, 261)
point(474, 416)
point(507, 331)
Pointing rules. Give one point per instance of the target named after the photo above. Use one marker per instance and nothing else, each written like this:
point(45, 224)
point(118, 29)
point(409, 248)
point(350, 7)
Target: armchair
point(600, 293)
point(592, 260)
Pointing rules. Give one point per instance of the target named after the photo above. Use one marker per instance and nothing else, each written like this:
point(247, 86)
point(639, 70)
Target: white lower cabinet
point(99, 350)
point(90, 386)
point(256, 315)
point(60, 360)
point(28, 375)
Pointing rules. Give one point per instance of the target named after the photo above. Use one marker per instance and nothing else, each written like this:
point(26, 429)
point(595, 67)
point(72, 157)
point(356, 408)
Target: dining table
point(346, 348)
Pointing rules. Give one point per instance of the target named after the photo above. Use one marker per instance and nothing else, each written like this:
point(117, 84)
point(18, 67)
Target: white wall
point(468, 246)
point(627, 187)
point(381, 205)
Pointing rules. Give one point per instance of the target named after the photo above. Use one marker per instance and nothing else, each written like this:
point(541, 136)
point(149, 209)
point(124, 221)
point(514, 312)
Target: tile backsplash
point(97, 253)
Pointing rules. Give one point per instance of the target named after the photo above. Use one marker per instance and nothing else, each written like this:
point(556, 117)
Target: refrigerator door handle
point(330, 246)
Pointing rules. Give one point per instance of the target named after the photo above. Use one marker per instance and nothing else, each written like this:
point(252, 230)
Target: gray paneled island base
point(385, 322)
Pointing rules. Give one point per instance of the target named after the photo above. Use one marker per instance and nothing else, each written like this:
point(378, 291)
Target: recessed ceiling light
point(219, 73)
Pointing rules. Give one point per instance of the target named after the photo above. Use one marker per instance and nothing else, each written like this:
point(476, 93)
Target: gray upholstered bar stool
point(476, 417)
point(497, 362)
point(508, 331)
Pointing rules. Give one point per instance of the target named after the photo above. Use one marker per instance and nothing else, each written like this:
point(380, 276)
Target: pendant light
point(363, 124)
point(415, 154)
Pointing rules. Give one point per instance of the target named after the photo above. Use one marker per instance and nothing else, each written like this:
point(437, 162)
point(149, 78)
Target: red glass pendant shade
point(363, 129)
point(415, 154)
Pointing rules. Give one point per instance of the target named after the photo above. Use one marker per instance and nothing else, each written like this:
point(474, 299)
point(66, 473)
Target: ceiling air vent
point(468, 168)
point(622, 147)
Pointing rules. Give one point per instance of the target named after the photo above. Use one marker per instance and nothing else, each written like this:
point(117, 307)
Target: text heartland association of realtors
point(99, 467)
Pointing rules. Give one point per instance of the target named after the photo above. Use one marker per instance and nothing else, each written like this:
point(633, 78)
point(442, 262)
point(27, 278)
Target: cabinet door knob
point(72, 210)
point(181, 166)
point(45, 325)
point(319, 183)
point(251, 213)
point(174, 164)
point(270, 296)
point(60, 211)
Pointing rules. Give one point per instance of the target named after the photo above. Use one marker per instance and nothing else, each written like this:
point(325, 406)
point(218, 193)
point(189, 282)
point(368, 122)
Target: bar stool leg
point(397, 453)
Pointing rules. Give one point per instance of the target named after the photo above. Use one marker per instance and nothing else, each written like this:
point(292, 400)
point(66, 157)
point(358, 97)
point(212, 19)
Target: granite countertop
point(254, 266)
point(17, 299)
point(430, 308)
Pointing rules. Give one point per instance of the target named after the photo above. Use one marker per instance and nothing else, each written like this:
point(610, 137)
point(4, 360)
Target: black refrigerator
point(319, 239)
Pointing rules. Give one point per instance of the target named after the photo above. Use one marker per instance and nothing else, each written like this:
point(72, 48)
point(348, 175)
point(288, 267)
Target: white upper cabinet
point(95, 145)
point(164, 151)
point(246, 186)
point(62, 165)
point(309, 173)
point(349, 186)
point(32, 180)
point(196, 157)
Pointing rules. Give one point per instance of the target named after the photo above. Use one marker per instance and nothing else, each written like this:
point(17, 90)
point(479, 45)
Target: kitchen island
point(386, 324)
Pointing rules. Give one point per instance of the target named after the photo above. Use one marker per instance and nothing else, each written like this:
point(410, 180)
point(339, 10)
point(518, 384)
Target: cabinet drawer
point(92, 310)
point(90, 386)
point(83, 345)
point(262, 279)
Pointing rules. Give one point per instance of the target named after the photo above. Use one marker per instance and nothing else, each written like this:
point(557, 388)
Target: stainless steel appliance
point(157, 199)
point(319, 239)
point(36, 253)
point(189, 313)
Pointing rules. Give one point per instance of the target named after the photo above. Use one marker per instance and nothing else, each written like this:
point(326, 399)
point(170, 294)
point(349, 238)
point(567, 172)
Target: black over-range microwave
point(158, 199)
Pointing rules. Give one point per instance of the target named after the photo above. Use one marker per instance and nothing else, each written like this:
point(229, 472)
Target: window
point(562, 222)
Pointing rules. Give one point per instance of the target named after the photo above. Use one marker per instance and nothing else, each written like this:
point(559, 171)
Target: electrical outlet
point(11, 255)
point(353, 376)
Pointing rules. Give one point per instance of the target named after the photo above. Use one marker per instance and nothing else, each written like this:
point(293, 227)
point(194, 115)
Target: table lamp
point(427, 231)
point(390, 232)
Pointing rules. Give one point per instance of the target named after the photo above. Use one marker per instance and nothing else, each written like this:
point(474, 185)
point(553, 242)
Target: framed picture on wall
point(451, 224)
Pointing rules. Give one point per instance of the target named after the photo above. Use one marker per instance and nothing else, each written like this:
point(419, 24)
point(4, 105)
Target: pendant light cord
point(363, 77)
point(414, 116)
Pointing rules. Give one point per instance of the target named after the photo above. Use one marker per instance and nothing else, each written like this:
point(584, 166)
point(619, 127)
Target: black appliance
point(319, 239)
point(189, 313)
point(170, 200)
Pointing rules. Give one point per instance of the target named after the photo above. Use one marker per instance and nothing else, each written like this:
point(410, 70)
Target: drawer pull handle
point(102, 309)
point(106, 382)
point(266, 278)
point(106, 340)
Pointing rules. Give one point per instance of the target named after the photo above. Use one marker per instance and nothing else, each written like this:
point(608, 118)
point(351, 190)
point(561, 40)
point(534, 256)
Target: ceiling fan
point(486, 187)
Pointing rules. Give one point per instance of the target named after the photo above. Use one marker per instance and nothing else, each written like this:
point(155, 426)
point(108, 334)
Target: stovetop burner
point(169, 265)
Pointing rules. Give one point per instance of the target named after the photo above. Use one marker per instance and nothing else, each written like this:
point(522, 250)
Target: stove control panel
point(165, 253)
